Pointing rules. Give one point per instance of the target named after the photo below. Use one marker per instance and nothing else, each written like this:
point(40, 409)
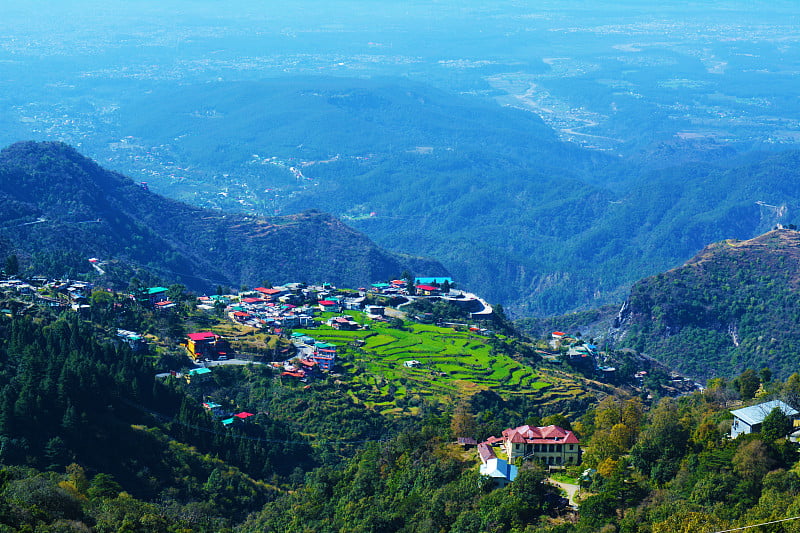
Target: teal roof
point(227, 422)
point(380, 285)
point(429, 281)
point(199, 371)
point(156, 290)
point(325, 345)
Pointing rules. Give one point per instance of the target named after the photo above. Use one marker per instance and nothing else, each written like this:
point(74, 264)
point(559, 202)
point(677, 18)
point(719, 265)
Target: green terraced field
point(453, 363)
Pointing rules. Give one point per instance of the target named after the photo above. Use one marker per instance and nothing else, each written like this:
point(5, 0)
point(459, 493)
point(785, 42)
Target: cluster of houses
point(57, 294)
point(275, 308)
point(228, 419)
point(550, 445)
point(314, 356)
point(422, 287)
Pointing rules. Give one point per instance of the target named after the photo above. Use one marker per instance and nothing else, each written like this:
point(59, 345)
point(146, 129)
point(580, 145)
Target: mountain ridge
point(55, 199)
point(733, 306)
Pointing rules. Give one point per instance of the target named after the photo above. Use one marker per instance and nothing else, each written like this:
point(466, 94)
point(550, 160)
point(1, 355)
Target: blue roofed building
point(749, 419)
point(500, 471)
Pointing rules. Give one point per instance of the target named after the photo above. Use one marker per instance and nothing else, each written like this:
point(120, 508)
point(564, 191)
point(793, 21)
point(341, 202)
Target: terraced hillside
point(451, 364)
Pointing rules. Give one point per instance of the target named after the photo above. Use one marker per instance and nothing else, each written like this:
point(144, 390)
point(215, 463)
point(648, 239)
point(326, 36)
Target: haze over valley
point(515, 144)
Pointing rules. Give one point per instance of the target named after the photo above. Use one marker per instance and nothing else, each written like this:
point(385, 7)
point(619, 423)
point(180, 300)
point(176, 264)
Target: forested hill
point(735, 305)
point(58, 208)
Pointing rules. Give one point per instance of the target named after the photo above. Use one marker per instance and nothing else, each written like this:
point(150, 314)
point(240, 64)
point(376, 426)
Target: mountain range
point(59, 208)
point(540, 225)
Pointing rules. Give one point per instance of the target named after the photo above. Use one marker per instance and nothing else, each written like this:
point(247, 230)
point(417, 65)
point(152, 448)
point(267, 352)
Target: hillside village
point(401, 351)
point(286, 317)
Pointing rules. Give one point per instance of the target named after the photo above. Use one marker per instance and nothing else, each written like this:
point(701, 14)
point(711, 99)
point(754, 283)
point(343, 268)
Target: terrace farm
point(396, 370)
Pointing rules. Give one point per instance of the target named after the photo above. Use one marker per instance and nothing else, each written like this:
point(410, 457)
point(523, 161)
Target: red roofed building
point(206, 345)
point(329, 306)
point(551, 445)
point(485, 452)
point(243, 415)
point(427, 290)
point(271, 293)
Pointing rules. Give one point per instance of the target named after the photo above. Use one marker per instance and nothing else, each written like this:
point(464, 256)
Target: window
point(571, 446)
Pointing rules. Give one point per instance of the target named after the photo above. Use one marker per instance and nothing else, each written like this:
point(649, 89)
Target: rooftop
point(755, 414)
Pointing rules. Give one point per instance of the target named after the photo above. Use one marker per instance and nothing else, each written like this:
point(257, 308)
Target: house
point(329, 306)
point(156, 294)
point(551, 445)
point(272, 293)
point(557, 338)
point(324, 355)
point(213, 408)
point(132, 339)
point(244, 415)
point(749, 419)
point(375, 311)
point(240, 316)
point(427, 290)
point(344, 323)
point(434, 281)
point(485, 452)
point(466, 442)
point(198, 375)
point(380, 287)
point(206, 345)
point(411, 363)
point(501, 472)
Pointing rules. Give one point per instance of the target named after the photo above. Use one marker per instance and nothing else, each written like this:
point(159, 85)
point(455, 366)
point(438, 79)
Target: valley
point(356, 266)
point(578, 105)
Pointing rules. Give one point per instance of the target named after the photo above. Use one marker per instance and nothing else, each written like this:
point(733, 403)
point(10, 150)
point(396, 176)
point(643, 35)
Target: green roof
point(156, 290)
point(199, 371)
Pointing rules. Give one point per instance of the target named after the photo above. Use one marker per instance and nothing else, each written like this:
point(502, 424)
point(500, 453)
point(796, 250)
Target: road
point(569, 488)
